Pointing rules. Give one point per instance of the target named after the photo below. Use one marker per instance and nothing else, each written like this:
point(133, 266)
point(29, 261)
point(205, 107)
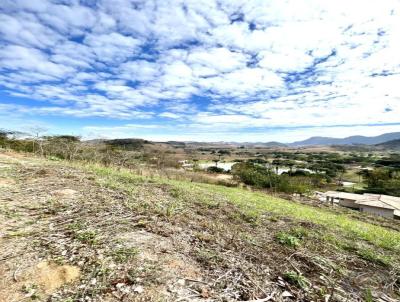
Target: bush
point(214, 169)
point(255, 175)
point(262, 177)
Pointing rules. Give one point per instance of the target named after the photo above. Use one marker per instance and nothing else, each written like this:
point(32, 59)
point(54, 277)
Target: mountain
point(351, 140)
point(390, 145)
point(272, 145)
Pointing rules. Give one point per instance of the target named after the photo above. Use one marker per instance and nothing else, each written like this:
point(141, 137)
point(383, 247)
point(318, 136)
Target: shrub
point(255, 175)
point(214, 169)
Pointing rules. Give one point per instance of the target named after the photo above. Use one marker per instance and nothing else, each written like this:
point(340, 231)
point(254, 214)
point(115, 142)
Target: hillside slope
point(70, 232)
point(390, 145)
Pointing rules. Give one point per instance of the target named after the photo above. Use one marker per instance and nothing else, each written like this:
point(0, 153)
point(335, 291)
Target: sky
point(201, 70)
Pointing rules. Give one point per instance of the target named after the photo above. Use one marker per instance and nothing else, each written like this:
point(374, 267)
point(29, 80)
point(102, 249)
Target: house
point(382, 205)
point(344, 199)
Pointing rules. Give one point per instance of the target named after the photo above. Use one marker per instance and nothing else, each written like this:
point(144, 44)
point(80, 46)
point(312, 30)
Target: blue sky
point(207, 70)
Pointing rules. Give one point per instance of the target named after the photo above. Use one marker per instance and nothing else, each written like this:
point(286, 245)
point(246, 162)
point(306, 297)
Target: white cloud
point(112, 47)
point(242, 65)
point(170, 115)
point(217, 59)
point(30, 59)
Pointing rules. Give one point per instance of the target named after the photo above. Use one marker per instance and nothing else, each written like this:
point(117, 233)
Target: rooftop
point(381, 201)
point(372, 200)
point(345, 195)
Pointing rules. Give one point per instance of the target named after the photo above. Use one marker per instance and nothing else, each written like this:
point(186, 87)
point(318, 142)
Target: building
point(382, 205)
point(344, 199)
point(376, 204)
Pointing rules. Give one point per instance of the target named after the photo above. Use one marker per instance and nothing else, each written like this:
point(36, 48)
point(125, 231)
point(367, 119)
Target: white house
point(382, 205)
point(344, 199)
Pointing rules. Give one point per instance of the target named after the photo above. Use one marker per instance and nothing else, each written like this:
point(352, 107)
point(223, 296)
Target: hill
point(351, 140)
point(390, 145)
point(83, 232)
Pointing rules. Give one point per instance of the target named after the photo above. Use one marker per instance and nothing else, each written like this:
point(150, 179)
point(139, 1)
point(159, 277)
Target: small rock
point(138, 289)
point(286, 294)
point(119, 285)
point(181, 282)
point(281, 282)
point(205, 292)
point(64, 193)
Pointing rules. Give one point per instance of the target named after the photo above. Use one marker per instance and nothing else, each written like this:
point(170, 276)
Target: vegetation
point(149, 236)
point(382, 181)
point(262, 177)
point(288, 172)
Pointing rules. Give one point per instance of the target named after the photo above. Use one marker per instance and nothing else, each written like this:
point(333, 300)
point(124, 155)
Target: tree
point(214, 169)
point(383, 181)
point(36, 134)
point(62, 146)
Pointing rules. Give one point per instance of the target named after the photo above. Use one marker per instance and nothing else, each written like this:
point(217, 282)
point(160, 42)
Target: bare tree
point(37, 133)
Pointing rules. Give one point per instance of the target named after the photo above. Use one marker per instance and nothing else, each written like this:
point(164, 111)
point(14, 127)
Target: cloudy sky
point(210, 70)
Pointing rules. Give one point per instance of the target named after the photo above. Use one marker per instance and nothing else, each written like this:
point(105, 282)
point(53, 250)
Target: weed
point(88, 237)
point(371, 256)
point(19, 234)
point(296, 279)
point(54, 158)
point(8, 212)
point(75, 226)
point(287, 239)
point(299, 232)
point(207, 257)
point(53, 206)
point(30, 291)
point(148, 273)
point(249, 239)
point(124, 254)
point(368, 295)
point(175, 192)
point(203, 237)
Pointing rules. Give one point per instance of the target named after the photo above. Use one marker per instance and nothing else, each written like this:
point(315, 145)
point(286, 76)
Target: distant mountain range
point(390, 141)
point(351, 140)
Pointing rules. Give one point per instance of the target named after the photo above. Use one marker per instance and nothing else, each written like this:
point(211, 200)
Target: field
point(78, 232)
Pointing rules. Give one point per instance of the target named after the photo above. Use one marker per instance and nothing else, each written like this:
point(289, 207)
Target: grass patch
point(207, 257)
point(9, 213)
point(255, 204)
point(287, 239)
point(292, 238)
point(124, 254)
point(88, 237)
point(373, 257)
point(296, 279)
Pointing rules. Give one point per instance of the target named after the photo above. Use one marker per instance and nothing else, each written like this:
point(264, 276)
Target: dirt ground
point(66, 237)
point(41, 260)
